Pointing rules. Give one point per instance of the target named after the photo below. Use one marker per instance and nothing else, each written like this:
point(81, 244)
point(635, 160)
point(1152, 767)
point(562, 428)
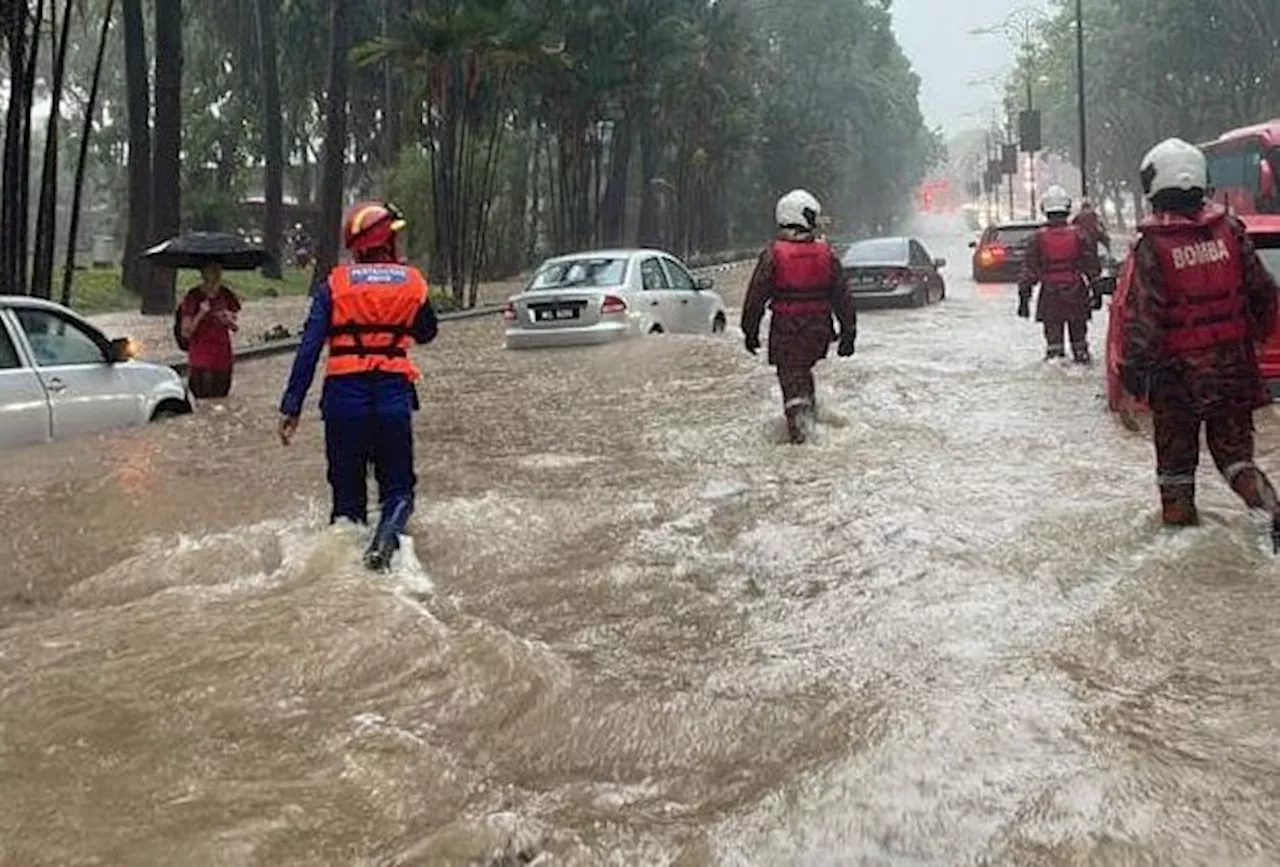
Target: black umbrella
point(197, 249)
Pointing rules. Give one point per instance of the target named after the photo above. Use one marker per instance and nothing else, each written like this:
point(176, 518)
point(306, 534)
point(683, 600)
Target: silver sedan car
point(60, 377)
point(606, 295)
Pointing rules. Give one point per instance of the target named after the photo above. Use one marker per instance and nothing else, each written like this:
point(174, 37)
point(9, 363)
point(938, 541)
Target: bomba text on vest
point(1204, 253)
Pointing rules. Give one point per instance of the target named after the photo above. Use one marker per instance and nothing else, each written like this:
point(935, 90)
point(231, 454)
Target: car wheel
point(170, 409)
point(920, 298)
point(718, 324)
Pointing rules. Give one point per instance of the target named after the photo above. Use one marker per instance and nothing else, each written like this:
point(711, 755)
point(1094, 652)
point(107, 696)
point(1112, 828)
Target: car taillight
point(612, 304)
point(509, 312)
point(898, 275)
point(992, 254)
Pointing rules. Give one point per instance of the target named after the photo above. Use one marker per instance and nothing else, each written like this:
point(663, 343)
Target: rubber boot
point(1253, 486)
point(1054, 353)
point(1178, 506)
point(799, 420)
point(1080, 355)
point(377, 557)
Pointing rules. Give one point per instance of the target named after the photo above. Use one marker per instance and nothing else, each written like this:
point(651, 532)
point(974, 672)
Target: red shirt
point(210, 344)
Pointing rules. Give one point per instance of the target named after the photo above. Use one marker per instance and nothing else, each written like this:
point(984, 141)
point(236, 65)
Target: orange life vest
point(374, 308)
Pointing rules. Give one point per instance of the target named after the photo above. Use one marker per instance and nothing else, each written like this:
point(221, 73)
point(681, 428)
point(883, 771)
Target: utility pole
point(1084, 137)
point(1029, 51)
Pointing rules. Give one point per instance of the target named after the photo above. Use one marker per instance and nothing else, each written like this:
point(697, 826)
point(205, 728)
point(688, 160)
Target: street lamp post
point(1084, 137)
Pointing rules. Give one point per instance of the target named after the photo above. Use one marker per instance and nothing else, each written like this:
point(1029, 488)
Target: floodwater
point(636, 629)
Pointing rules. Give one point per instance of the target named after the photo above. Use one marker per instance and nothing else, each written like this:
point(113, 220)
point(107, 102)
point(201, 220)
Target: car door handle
point(56, 385)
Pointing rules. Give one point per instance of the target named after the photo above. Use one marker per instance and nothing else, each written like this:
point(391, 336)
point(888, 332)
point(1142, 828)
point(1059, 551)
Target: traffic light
point(1029, 131)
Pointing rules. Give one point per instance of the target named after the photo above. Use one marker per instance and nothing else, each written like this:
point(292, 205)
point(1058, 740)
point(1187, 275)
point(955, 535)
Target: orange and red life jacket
point(374, 308)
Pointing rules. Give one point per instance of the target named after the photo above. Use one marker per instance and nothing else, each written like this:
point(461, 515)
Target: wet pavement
point(640, 630)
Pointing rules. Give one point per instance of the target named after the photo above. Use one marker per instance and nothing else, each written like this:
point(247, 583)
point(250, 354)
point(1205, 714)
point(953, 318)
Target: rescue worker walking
point(1063, 259)
point(1089, 220)
point(799, 277)
point(1199, 302)
point(369, 313)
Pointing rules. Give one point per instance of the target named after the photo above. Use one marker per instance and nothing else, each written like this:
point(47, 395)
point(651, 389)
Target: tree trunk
point(73, 230)
point(138, 86)
point(273, 140)
point(335, 142)
point(392, 127)
point(649, 234)
point(15, 34)
point(166, 162)
point(614, 218)
point(23, 227)
point(46, 215)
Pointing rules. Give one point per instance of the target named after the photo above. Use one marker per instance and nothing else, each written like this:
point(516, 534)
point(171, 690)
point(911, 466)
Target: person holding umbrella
point(206, 318)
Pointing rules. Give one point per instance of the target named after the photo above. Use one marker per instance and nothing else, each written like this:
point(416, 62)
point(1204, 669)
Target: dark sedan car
point(998, 255)
point(893, 272)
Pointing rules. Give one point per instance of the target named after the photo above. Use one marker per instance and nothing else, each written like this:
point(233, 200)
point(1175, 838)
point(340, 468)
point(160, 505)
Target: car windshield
point(877, 251)
point(1015, 236)
point(580, 272)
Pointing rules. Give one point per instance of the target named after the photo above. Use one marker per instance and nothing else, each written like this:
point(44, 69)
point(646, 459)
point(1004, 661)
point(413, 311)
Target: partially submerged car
point(1264, 230)
point(606, 295)
point(61, 377)
point(893, 272)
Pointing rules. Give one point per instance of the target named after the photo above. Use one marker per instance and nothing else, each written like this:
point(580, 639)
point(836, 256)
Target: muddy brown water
point(638, 630)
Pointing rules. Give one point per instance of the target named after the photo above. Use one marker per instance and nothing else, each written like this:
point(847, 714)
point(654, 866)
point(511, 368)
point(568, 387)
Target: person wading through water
point(206, 320)
point(369, 313)
point(799, 278)
point(1199, 304)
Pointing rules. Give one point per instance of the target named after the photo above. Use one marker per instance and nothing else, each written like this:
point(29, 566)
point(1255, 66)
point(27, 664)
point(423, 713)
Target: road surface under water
point(640, 630)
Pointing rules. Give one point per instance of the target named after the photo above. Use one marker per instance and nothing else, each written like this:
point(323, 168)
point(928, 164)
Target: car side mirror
point(702, 284)
point(124, 349)
point(939, 263)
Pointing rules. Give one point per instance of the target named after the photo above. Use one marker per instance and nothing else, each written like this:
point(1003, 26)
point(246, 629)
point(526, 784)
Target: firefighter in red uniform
point(1089, 220)
point(800, 279)
point(369, 313)
point(1200, 302)
point(1063, 259)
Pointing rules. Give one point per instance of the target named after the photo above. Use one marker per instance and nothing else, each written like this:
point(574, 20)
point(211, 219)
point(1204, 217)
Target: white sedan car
point(60, 377)
point(606, 295)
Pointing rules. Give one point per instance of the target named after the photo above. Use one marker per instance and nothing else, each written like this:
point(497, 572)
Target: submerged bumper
point(550, 338)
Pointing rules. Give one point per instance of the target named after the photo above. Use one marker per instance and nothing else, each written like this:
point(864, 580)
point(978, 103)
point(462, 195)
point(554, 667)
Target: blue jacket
point(355, 395)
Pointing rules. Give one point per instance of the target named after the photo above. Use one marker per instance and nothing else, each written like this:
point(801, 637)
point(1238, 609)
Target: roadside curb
point(291, 344)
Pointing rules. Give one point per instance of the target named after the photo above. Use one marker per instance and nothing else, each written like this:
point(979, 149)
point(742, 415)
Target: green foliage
point(1154, 69)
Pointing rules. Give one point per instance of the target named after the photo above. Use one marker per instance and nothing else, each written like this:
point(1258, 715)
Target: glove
point(752, 343)
point(846, 347)
point(1024, 305)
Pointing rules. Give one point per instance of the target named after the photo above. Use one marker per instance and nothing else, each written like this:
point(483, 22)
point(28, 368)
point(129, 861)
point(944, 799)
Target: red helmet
point(372, 225)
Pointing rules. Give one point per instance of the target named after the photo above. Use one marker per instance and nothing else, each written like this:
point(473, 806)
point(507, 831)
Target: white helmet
point(1174, 165)
point(798, 209)
point(1056, 201)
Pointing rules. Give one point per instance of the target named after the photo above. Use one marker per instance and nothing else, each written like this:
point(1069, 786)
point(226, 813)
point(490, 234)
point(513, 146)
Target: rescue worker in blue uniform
point(369, 313)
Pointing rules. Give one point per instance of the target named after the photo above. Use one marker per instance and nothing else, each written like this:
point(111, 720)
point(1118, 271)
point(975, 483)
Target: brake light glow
point(897, 275)
point(508, 312)
point(992, 254)
point(612, 304)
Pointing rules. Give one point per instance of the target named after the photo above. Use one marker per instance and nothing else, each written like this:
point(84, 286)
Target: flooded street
point(641, 631)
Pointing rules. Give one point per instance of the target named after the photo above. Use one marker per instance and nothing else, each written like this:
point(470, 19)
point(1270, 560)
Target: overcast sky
point(935, 35)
